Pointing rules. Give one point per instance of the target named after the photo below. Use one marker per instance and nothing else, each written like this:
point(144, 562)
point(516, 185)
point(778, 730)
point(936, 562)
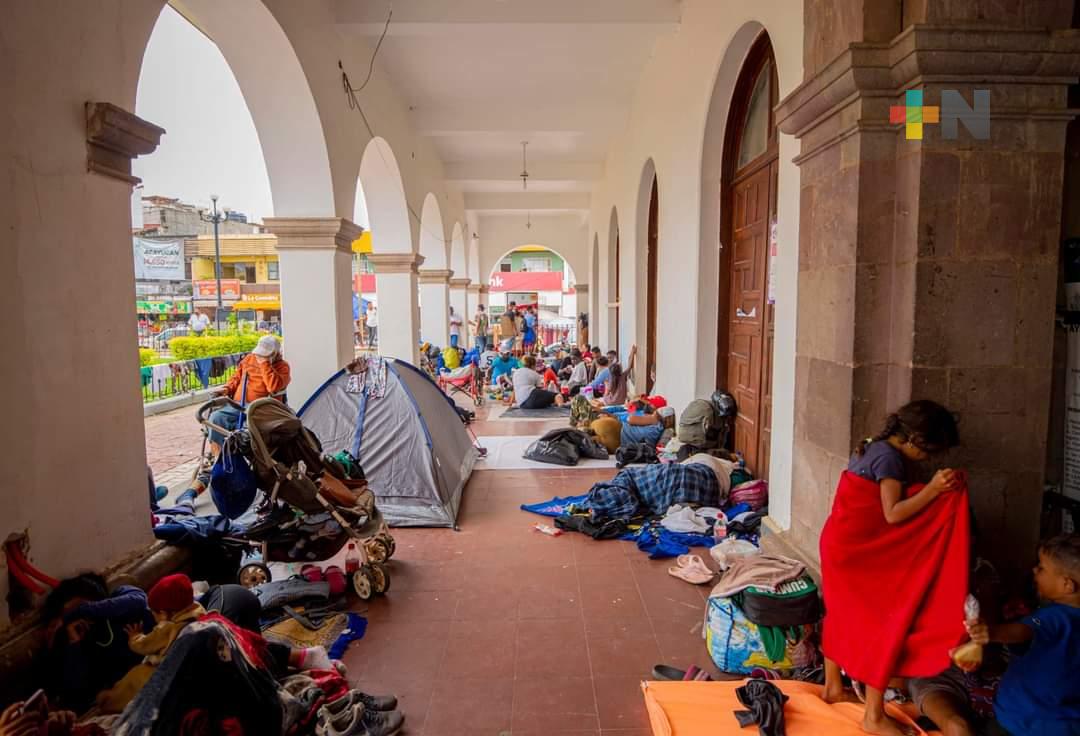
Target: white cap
point(268, 345)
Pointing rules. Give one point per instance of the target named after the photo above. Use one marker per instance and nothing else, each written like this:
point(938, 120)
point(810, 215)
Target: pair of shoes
point(359, 721)
point(333, 575)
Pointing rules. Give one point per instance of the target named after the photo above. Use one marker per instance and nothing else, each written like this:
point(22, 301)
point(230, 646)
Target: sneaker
point(187, 498)
point(161, 492)
point(371, 702)
point(357, 719)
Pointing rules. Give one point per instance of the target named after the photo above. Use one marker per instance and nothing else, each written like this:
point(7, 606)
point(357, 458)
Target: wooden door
point(618, 296)
point(745, 332)
point(651, 294)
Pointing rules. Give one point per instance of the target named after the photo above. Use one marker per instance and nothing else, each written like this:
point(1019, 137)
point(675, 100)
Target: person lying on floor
point(86, 650)
point(529, 391)
point(173, 604)
point(1040, 690)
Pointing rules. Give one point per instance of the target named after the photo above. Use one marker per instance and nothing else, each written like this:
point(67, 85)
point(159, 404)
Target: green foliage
point(147, 356)
point(189, 348)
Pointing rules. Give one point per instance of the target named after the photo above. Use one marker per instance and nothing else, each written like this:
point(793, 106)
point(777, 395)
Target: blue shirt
point(1040, 691)
point(601, 377)
point(879, 461)
point(500, 367)
point(631, 434)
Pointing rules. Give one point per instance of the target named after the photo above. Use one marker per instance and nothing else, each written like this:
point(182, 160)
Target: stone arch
point(432, 234)
point(384, 193)
point(572, 275)
point(459, 257)
point(279, 98)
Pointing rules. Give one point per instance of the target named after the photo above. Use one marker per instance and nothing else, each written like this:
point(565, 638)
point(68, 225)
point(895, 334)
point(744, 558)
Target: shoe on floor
point(371, 702)
point(358, 720)
point(187, 498)
point(161, 492)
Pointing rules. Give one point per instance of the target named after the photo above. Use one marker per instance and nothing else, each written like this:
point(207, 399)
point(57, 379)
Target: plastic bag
point(968, 656)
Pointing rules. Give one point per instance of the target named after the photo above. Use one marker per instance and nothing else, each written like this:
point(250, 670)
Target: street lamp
point(216, 218)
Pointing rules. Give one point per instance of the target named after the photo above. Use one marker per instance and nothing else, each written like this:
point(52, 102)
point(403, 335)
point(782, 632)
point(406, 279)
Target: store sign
point(526, 281)
point(162, 307)
point(158, 260)
point(207, 289)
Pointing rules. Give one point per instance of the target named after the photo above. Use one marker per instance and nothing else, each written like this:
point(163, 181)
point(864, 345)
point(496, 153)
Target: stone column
point(316, 297)
point(581, 291)
point(399, 315)
point(434, 303)
point(458, 300)
point(928, 266)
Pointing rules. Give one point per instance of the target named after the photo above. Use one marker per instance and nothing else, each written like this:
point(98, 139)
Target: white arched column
point(458, 299)
point(434, 305)
point(399, 314)
point(316, 297)
point(581, 292)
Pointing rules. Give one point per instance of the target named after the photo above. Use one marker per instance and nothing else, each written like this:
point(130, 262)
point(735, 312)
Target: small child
point(172, 601)
point(859, 550)
point(1040, 691)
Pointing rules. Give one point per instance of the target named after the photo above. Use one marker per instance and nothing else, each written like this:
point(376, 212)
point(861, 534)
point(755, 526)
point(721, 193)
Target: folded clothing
point(766, 572)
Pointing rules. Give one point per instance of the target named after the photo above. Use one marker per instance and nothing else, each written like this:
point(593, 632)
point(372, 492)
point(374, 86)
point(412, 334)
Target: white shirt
point(487, 357)
point(372, 318)
point(455, 325)
point(525, 381)
point(199, 322)
point(579, 376)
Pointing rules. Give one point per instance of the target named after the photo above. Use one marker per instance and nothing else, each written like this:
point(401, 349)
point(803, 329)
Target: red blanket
point(894, 593)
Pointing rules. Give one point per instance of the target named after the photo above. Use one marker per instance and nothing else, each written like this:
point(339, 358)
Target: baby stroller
point(466, 380)
point(312, 505)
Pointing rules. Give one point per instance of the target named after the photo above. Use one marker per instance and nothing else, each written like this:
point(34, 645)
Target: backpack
point(695, 424)
point(795, 603)
point(640, 453)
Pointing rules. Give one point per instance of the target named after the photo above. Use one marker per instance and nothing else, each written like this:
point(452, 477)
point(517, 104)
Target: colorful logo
point(914, 114)
point(953, 111)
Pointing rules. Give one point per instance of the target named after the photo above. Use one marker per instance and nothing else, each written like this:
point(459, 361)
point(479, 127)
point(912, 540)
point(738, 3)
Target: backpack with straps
point(795, 603)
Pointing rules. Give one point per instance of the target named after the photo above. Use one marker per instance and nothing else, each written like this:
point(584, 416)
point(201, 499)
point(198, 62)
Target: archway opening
point(534, 276)
point(364, 292)
point(745, 323)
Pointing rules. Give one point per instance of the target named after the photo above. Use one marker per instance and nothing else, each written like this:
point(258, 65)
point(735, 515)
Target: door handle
point(740, 313)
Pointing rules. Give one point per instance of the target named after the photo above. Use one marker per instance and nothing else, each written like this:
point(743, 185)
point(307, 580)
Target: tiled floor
point(497, 629)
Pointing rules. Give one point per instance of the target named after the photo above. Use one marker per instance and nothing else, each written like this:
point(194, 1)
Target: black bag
point(795, 603)
point(641, 453)
point(591, 448)
point(559, 451)
point(602, 529)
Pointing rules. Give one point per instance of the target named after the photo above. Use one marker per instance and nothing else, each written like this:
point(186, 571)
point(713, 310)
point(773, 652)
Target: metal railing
point(168, 380)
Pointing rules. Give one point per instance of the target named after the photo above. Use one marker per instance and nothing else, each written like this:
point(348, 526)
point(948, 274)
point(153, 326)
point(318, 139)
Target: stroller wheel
point(253, 574)
point(380, 578)
point(361, 582)
point(377, 550)
point(389, 543)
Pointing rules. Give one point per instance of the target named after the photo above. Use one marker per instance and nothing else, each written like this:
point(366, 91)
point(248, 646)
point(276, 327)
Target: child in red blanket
point(888, 559)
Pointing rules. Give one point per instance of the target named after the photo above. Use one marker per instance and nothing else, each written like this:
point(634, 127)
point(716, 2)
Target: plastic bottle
point(352, 559)
point(720, 527)
point(549, 530)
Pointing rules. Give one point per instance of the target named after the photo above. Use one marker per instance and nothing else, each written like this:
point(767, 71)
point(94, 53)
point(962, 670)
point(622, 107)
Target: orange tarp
point(705, 709)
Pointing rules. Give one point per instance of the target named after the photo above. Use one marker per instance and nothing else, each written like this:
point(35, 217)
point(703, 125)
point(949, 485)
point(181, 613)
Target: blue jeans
point(226, 418)
point(453, 341)
point(481, 343)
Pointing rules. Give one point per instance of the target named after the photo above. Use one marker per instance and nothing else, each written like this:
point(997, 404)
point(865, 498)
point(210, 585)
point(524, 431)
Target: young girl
point(894, 560)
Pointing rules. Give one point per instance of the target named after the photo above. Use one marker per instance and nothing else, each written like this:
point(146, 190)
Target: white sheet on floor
point(505, 453)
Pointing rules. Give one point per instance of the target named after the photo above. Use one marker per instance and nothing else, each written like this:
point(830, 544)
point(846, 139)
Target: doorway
point(747, 230)
point(650, 294)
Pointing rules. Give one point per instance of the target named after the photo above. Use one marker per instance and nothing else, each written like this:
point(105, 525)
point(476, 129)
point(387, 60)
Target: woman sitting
point(529, 391)
point(615, 387)
point(640, 424)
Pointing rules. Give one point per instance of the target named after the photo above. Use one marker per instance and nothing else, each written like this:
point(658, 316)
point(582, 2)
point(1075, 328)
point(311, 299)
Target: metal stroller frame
point(471, 385)
point(288, 462)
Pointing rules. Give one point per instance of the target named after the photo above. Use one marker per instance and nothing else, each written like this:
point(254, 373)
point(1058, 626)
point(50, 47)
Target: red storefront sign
point(207, 289)
point(526, 281)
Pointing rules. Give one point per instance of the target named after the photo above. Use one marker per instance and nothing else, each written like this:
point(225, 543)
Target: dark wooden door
point(651, 294)
point(747, 332)
point(618, 295)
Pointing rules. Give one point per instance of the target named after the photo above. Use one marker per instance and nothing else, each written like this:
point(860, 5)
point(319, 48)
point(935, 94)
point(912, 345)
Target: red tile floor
point(497, 629)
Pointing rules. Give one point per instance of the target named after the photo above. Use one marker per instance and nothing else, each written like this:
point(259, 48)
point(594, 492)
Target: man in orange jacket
point(261, 373)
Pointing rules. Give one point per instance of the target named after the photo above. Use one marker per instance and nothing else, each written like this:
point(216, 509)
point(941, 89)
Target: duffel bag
point(794, 603)
point(738, 645)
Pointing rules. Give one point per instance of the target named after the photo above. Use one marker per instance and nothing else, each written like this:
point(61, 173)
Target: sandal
point(336, 577)
point(667, 672)
point(691, 569)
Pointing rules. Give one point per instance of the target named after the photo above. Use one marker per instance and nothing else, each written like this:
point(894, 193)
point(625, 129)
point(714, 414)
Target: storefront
point(264, 307)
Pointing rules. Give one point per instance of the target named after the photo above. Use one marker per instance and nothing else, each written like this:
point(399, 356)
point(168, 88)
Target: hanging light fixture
point(524, 168)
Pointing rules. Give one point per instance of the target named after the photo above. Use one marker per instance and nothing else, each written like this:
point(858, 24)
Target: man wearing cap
point(261, 373)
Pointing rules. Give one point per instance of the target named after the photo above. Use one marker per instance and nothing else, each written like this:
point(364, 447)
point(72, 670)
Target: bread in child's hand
point(968, 657)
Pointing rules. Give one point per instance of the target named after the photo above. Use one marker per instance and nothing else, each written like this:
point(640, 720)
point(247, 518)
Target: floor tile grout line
point(588, 649)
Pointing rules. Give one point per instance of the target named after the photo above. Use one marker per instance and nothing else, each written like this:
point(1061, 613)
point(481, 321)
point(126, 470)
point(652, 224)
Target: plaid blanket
point(651, 489)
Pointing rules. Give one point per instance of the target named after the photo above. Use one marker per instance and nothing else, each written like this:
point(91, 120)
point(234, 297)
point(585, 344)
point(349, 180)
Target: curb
point(179, 402)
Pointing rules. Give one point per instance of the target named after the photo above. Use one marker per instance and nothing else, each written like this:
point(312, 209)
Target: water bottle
point(352, 559)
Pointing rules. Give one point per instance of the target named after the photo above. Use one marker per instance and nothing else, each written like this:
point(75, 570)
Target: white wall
point(566, 234)
point(672, 125)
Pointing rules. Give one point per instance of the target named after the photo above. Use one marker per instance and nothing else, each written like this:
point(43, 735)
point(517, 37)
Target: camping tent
point(410, 441)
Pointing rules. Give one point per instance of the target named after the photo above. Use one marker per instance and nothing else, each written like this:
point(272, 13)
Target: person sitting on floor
point(603, 371)
point(640, 424)
point(173, 602)
point(578, 374)
point(551, 380)
point(85, 649)
point(502, 368)
point(1040, 690)
point(615, 387)
point(529, 391)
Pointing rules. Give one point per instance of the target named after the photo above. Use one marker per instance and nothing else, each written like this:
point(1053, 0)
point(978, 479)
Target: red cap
point(172, 593)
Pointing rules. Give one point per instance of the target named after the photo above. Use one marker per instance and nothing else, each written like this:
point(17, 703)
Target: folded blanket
point(894, 593)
